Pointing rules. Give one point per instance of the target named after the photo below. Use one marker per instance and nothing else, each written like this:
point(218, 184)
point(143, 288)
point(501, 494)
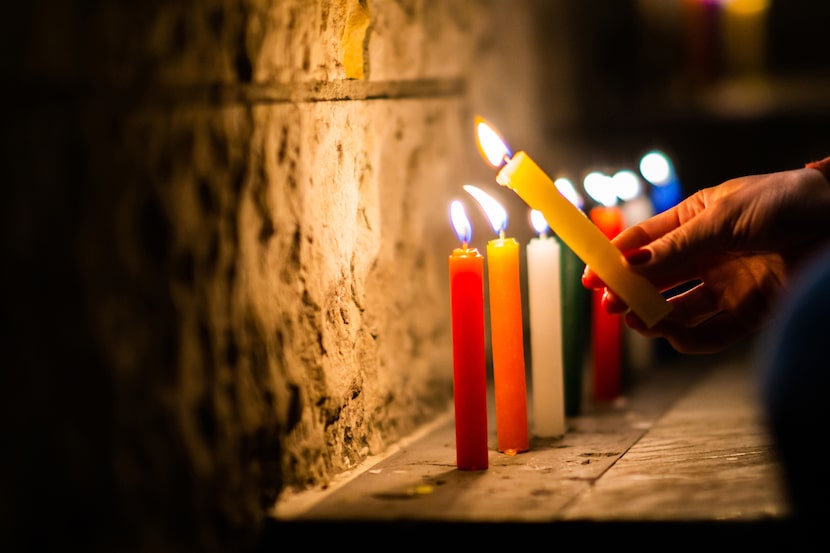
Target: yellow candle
point(524, 177)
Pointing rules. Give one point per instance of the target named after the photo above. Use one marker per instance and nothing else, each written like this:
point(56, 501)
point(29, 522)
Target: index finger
point(646, 232)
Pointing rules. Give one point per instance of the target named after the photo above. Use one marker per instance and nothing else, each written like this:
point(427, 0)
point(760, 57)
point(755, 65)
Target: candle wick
point(501, 234)
point(506, 159)
point(464, 245)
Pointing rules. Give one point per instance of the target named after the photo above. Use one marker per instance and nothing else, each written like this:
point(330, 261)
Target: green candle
point(575, 328)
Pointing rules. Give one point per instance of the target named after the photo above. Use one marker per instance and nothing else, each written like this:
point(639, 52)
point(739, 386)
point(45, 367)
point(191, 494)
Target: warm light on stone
point(354, 33)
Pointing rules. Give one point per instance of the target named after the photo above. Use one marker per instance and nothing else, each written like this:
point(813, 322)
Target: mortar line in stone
point(298, 93)
point(292, 505)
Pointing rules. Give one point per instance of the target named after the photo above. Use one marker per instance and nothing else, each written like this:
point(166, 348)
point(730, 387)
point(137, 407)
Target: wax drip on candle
point(460, 223)
point(493, 209)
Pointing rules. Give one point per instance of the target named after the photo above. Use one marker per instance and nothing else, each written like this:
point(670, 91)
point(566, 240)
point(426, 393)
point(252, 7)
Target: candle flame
point(537, 219)
point(494, 211)
point(491, 146)
point(460, 223)
point(599, 187)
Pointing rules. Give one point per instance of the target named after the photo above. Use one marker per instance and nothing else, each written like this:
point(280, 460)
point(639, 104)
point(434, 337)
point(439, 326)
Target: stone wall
point(225, 230)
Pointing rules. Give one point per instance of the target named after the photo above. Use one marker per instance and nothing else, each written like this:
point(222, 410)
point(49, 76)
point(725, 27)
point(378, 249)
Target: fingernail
point(637, 257)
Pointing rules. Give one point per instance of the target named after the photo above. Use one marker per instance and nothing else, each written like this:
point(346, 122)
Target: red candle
point(469, 362)
point(606, 329)
point(506, 331)
point(606, 333)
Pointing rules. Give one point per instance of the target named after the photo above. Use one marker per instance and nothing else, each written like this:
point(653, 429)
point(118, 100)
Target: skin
point(742, 241)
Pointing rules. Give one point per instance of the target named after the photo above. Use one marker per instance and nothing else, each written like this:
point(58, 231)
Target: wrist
point(822, 165)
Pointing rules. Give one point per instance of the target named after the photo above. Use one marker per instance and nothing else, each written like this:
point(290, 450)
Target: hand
point(738, 244)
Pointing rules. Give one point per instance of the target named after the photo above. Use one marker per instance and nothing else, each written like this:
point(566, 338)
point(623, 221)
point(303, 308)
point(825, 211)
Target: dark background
point(639, 84)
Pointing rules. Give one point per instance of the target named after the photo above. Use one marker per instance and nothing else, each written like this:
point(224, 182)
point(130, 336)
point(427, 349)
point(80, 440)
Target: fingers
point(590, 279)
point(687, 240)
point(710, 336)
point(696, 325)
point(629, 240)
point(638, 236)
point(670, 249)
point(633, 242)
point(612, 303)
point(693, 307)
point(636, 256)
point(733, 303)
point(689, 308)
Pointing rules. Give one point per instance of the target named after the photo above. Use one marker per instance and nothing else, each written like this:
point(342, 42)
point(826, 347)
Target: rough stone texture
point(366, 349)
point(226, 251)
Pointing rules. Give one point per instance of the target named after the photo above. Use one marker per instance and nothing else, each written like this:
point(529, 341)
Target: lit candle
point(506, 330)
point(468, 351)
point(523, 176)
point(606, 328)
point(544, 304)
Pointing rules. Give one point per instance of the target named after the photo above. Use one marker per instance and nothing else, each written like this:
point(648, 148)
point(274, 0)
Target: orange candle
point(468, 352)
point(506, 331)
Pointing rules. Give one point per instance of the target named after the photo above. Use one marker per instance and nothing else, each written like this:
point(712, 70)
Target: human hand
point(738, 244)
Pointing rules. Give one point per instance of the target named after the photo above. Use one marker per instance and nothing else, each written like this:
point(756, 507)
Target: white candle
point(545, 312)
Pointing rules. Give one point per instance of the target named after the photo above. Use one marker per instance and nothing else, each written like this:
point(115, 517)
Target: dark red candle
point(466, 267)
point(606, 329)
